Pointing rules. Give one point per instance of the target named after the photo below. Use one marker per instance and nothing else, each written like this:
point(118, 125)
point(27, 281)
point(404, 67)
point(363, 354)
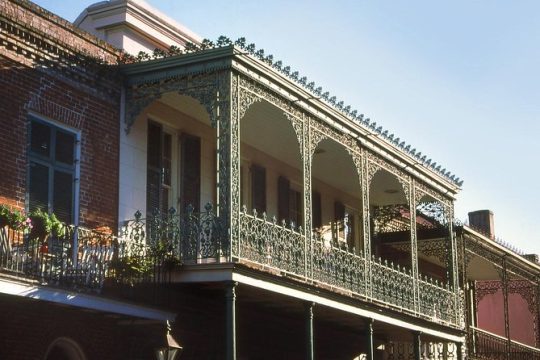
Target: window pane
point(39, 187)
point(65, 147)
point(40, 138)
point(63, 196)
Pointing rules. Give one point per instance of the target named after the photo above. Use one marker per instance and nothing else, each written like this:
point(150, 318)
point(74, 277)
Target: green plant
point(19, 221)
point(131, 266)
point(15, 219)
point(5, 215)
point(44, 224)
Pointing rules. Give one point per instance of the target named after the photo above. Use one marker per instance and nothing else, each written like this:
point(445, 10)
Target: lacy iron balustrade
point(437, 301)
point(267, 243)
point(194, 238)
point(428, 351)
point(485, 345)
point(54, 260)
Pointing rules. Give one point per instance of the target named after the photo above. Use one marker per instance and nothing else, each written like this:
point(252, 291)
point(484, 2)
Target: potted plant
point(15, 219)
point(43, 225)
point(19, 221)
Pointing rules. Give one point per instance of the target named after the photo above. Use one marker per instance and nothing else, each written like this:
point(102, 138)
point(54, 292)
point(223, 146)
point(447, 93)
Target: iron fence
point(485, 345)
point(54, 260)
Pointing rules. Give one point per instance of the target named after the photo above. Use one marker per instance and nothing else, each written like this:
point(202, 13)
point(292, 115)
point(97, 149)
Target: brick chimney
point(482, 220)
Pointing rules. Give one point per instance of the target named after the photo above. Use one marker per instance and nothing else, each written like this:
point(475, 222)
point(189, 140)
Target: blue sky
point(458, 80)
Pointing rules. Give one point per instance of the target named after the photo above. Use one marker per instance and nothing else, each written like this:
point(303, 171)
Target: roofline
point(501, 249)
point(66, 25)
point(239, 60)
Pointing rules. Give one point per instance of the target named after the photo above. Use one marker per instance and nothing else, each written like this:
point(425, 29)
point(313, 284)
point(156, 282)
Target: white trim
point(60, 296)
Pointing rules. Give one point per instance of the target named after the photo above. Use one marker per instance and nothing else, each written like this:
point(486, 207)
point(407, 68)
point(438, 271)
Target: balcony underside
point(267, 286)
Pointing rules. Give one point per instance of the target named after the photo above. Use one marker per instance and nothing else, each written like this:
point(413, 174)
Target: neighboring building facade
point(349, 250)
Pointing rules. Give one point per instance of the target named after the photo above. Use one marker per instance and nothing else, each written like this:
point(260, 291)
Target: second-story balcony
point(318, 259)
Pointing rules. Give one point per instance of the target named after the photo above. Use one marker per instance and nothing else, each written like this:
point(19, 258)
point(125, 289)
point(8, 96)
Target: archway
point(64, 348)
point(271, 176)
point(433, 239)
point(336, 197)
point(390, 219)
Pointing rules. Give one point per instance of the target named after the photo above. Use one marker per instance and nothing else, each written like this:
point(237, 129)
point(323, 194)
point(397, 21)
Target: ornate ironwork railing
point(397, 350)
point(332, 265)
point(392, 283)
point(485, 345)
point(269, 244)
point(54, 261)
point(318, 260)
point(437, 300)
point(198, 238)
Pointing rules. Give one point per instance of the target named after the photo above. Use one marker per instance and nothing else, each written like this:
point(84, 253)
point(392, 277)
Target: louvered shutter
point(339, 211)
point(283, 199)
point(258, 188)
point(190, 192)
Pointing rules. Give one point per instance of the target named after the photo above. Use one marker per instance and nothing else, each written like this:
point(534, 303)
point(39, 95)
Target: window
point(52, 168)
point(159, 163)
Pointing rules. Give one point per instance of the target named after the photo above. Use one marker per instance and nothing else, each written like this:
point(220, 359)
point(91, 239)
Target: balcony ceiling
point(186, 105)
point(266, 128)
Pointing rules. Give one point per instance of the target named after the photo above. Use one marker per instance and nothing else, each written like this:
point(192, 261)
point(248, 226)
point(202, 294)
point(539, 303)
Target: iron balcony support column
point(227, 113)
point(366, 218)
point(453, 264)
point(230, 320)
point(369, 339)
point(308, 307)
point(414, 246)
point(307, 157)
point(417, 350)
point(505, 298)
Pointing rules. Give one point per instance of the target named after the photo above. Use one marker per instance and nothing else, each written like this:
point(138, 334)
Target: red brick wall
point(24, 90)
point(29, 327)
point(89, 103)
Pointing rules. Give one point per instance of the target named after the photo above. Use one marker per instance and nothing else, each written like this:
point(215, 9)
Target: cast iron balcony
point(285, 250)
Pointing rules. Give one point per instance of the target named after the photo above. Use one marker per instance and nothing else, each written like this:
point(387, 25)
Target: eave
point(500, 250)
